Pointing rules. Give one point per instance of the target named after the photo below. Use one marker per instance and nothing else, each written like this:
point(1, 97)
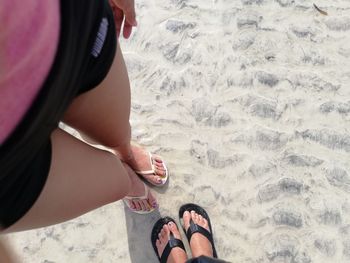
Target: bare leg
point(81, 178)
point(103, 115)
point(5, 254)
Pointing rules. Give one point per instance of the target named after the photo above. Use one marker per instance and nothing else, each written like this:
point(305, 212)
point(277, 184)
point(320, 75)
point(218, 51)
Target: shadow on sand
point(139, 228)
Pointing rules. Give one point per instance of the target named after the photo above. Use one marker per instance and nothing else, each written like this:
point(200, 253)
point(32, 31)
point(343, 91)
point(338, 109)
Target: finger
point(118, 18)
point(129, 12)
point(127, 30)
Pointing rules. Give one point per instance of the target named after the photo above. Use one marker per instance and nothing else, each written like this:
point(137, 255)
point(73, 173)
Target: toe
point(157, 159)
point(159, 246)
point(152, 200)
point(193, 216)
point(186, 218)
point(149, 205)
point(131, 204)
point(159, 173)
point(136, 205)
point(162, 234)
point(200, 219)
point(166, 231)
point(155, 179)
point(205, 224)
point(159, 167)
point(173, 228)
point(145, 205)
point(196, 218)
point(139, 205)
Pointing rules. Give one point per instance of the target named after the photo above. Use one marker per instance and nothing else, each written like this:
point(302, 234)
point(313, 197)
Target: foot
point(138, 189)
point(177, 255)
point(138, 160)
point(200, 245)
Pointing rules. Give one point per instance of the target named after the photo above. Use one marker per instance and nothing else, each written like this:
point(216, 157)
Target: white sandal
point(139, 198)
point(164, 178)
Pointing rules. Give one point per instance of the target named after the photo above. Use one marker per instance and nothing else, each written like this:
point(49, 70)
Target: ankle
point(124, 152)
point(179, 257)
point(201, 247)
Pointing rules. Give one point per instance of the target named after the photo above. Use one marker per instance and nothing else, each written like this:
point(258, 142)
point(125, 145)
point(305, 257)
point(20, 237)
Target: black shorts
point(86, 49)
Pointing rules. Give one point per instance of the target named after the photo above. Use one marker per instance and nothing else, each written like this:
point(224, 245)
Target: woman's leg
point(103, 115)
point(81, 178)
point(5, 254)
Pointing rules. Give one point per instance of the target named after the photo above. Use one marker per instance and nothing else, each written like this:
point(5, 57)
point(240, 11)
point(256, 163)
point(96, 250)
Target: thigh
point(103, 112)
point(81, 178)
point(5, 253)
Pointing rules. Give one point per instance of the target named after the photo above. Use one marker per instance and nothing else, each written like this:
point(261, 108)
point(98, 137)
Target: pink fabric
point(29, 33)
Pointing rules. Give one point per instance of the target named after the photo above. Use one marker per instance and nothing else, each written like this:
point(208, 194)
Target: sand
point(249, 103)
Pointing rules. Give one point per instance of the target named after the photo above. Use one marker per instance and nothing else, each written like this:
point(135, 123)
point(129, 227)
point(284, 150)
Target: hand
point(124, 10)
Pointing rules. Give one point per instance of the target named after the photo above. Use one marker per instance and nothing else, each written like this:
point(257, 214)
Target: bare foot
point(138, 160)
point(177, 255)
point(200, 245)
point(138, 189)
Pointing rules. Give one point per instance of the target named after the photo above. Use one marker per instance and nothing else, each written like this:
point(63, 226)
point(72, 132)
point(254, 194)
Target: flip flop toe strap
point(148, 172)
point(172, 243)
point(194, 228)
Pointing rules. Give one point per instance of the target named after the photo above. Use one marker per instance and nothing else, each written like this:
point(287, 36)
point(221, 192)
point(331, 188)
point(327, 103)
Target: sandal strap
point(194, 228)
point(143, 197)
point(172, 243)
point(148, 172)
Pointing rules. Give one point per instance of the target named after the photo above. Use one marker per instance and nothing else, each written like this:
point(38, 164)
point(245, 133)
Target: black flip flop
point(194, 228)
point(172, 243)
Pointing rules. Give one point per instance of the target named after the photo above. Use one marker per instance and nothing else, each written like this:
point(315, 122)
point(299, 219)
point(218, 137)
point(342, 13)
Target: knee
point(122, 138)
point(116, 182)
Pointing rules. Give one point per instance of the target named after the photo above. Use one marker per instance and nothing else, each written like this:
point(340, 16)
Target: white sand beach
point(248, 101)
